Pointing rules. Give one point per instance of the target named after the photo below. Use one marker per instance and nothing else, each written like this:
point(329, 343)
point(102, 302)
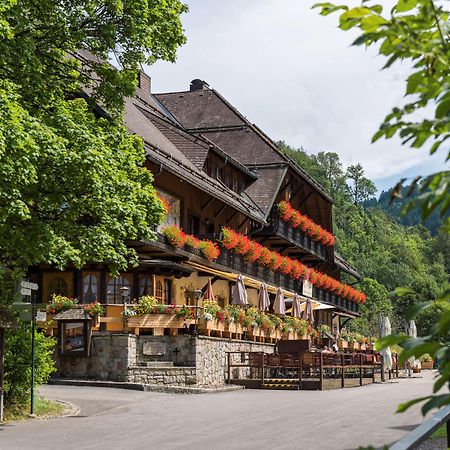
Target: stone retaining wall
point(199, 361)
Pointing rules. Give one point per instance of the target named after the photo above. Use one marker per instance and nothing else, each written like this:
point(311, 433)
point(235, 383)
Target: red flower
point(254, 252)
point(229, 238)
point(174, 235)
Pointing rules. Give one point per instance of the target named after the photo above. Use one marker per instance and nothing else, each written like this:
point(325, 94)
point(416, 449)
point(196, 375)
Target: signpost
point(28, 289)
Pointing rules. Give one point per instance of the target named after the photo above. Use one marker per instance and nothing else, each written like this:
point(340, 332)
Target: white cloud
point(293, 73)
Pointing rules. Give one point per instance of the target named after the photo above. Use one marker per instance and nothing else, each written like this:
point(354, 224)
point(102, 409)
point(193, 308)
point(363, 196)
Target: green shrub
point(18, 363)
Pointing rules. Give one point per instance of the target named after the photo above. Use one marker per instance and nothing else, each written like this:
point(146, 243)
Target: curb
point(170, 389)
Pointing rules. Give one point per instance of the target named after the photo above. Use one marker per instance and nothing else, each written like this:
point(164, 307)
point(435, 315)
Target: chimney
point(144, 82)
point(199, 85)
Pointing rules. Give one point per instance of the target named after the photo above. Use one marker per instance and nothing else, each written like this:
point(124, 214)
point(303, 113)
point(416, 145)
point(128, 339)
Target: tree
point(73, 183)
point(360, 188)
point(415, 31)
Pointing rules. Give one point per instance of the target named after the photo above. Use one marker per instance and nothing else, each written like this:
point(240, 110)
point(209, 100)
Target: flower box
point(353, 346)
point(427, 365)
point(156, 321)
point(234, 328)
point(290, 335)
point(363, 347)
point(343, 345)
point(210, 325)
point(255, 332)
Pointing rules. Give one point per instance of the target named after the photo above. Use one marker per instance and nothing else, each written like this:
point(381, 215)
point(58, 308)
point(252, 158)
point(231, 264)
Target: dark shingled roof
point(264, 190)
point(207, 112)
point(142, 120)
point(73, 314)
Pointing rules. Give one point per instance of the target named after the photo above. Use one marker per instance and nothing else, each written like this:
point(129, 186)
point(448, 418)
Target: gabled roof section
point(160, 149)
point(264, 190)
point(206, 111)
point(345, 266)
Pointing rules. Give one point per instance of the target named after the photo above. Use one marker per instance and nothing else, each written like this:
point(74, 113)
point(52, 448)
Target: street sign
point(41, 316)
point(29, 286)
point(25, 291)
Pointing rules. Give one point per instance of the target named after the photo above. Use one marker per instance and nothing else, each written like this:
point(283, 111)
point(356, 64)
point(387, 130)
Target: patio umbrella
point(387, 354)
point(239, 296)
point(308, 311)
point(279, 306)
point(411, 330)
point(296, 310)
point(264, 302)
point(209, 294)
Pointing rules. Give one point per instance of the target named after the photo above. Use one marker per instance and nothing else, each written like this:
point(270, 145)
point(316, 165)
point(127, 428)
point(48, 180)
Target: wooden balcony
point(325, 296)
point(292, 240)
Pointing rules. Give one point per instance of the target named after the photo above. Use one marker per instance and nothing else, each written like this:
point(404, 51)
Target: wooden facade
point(213, 176)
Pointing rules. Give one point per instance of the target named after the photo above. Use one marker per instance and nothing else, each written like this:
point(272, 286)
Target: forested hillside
point(387, 253)
point(395, 209)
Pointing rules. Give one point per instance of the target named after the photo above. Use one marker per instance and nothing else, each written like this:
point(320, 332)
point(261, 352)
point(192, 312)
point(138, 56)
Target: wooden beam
point(213, 280)
point(241, 224)
point(231, 217)
point(220, 211)
point(306, 198)
point(208, 203)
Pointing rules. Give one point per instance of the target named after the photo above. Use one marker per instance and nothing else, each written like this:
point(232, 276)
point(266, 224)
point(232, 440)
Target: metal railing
point(425, 430)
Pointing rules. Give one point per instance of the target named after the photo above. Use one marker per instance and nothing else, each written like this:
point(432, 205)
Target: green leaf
point(406, 5)
point(401, 292)
point(372, 23)
point(443, 108)
point(389, 341)
point(404, 406)
point(415, 309)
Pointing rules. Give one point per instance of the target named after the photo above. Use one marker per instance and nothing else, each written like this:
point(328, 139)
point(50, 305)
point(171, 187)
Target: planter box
point(353, 346)
point(342, 344)
point(363, 347)
point(255, 332)
point(234, 328)
point(427, 365)
point(210, 325)
point(290, 335)
point(157, 322)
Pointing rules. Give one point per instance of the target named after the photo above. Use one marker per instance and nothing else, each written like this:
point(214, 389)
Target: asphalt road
point(247, 419)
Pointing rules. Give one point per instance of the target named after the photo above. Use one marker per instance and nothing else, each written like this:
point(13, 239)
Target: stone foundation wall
point(198, 361)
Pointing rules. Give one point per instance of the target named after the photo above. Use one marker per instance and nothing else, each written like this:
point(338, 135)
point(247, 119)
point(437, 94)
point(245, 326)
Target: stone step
point(158, 364)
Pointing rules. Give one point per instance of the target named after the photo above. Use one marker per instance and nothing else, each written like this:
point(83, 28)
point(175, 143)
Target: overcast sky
point(294, 74)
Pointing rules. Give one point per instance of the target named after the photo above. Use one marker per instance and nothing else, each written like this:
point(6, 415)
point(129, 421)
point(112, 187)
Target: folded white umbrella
point(209, 294)
point(387, 354)
point(308, 311)
point(264, 302)
point(279, 306)
point(239, 296)
point(296, 309)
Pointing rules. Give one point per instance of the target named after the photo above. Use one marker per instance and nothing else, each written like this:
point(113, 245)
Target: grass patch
point(42, 408)
point(439, 433)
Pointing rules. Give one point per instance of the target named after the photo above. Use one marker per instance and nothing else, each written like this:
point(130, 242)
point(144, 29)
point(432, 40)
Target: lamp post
point(197, 295)
point(124, 293)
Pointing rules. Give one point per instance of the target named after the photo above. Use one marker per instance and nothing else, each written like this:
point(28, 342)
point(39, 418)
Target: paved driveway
point(247, 419)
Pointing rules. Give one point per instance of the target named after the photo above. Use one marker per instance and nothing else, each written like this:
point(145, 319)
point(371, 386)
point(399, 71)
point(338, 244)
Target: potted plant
point(95, 310)
point(426, 361)
point(343, 339)
point(212, 317)
point(234, 315)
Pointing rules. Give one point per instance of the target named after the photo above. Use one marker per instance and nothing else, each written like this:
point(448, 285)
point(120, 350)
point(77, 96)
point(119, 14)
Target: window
point(193, 225)
point(119, 289)
point(167, 291)
point(174, 206)
point(56, 286)
point(90, 287)
point(146, 285)
point(159, 291)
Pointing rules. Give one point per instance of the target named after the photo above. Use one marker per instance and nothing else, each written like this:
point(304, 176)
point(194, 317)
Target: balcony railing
point(238, 264)
point(326, 296)
point(296, 236)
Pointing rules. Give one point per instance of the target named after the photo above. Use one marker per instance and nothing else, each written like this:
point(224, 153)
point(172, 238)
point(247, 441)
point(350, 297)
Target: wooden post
point(229, 368)
point(360, 370)
point(342, 372)
point(262, 368)
point(321, 371)
point(2, 366)
point(300, 370)
point(373, 368)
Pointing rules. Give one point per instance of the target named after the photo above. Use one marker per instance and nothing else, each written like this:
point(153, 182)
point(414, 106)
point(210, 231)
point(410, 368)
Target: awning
point(256, 284)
